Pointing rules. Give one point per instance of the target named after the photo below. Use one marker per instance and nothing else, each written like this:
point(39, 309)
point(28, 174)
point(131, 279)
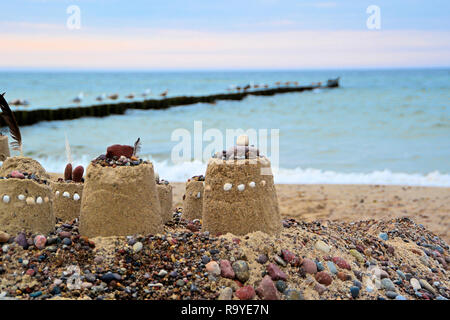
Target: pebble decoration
point(30, 200)
point(46, 199)
point(241, 187)
point(66, 194)
point(6, 199)
point(21, 197)
point(57, 193)
point(39, 200)
point(76, 197)
point(199, 195)
point(263, 182)
point(227, 186)
point(252, 184)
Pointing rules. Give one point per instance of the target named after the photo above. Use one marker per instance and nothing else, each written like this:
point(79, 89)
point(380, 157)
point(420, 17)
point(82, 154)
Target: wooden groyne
point(30, 117)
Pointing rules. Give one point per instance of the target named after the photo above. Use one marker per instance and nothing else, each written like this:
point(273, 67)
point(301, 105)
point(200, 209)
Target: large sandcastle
point(239, 193)
point(193, 198)
point(26, 198)
point(120, 196)
point(165, 199)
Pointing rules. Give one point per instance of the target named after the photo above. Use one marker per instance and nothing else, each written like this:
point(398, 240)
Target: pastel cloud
point(54, 47)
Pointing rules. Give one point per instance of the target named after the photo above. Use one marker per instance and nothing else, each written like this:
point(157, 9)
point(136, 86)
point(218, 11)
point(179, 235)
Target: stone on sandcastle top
point(23, 165)
point(75, 175)
point(241, 150)
point(120, 155)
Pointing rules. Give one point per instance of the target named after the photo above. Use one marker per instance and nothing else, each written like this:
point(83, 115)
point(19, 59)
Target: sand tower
point(4, 148)
point(120, 196)
point(165, 198)
point(193, 198)
point(239, 194)
point(26, 197)
point(68, 192)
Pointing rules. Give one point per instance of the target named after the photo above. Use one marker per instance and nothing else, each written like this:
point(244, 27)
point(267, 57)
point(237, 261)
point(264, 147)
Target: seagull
point(78, 98)
point(130, 96)
point(164, 94)
point(101, 97)
point(113, 96)
point(146, 93)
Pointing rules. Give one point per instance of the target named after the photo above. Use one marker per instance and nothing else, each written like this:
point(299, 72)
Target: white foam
point(181, 172)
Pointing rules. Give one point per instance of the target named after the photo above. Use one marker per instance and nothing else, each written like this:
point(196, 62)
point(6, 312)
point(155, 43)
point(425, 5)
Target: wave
point(182, 171)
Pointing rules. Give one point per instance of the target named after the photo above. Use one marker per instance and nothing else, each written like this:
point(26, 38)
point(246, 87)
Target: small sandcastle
point(239, 193)
point(68, 191)
point(4, 147)
point(25, 193)
point(165, 198)
point(119, 195)
point(193, 198)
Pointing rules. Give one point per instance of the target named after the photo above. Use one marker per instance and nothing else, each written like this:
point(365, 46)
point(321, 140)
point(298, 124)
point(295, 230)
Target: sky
point(223, 35)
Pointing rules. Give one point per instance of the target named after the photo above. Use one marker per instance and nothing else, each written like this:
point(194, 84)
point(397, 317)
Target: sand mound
point(193, 200)
point(67, 199)
point(4, 148)
point(23, 164)
point(120, 201)
point(165, 201)
point(25, 205)
point(239, 199)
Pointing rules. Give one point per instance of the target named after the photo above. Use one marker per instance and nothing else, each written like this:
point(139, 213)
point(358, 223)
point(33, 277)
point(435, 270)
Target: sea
point(379, 127)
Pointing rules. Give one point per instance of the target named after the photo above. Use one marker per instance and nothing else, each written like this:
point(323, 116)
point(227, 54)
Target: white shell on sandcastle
point(120, 201)
point(39, 200)
point(67, 207)
point(165, 201)
point(233, 209)
point(6, 199)
point(193, 200)
point(21, 212)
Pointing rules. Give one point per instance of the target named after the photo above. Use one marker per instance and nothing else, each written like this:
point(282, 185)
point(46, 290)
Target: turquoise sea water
point(385, 127)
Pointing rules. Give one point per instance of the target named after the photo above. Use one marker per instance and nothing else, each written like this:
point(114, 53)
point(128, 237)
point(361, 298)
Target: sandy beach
point(429, 206)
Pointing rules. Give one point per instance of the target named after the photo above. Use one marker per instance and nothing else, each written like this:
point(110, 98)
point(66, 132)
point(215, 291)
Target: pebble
point(241, 270)
point(309, 266)
point(67, 241)
point(21, 240)
point(319, 266)
point(205, 259)
point(383, 236)
point(39, 241)
point(35, 294)
point(399, 297)
point(245, 293)
point(109, 276)
point(213, 268)
point(424, 284)
point(226, 270)
point(354, 291)
point(323, 278)
point(331, 267)
point(281, 285)
point(401, 274)
point(226, 294)
point(4, 237)
point(322, 246)
point(391, 294)
point(341, 263)
point(275, 272)
point(292, 294)
point(262, 259)
point(387, 284)
point(290, 258)
point(180, 283)
point(280, 261)
point(267, 290)
point(18, 175)
point(358, 256)
point(162, 273)
point(137, 247)
point(358, 284)
point(320, 288)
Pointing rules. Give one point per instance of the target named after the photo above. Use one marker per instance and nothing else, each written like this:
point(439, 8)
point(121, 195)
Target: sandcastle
point(67, 199)
point(238, 197)
point(165, 198)
point(120, 196)
point(193, 198)
point(23, 164)
point(26, 199)
point(4, 148)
